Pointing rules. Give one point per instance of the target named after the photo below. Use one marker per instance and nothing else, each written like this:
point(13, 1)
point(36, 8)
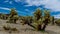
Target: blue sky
point(27, 7)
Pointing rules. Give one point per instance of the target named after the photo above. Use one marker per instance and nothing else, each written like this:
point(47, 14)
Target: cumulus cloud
point(49, 4)
point(4, 8)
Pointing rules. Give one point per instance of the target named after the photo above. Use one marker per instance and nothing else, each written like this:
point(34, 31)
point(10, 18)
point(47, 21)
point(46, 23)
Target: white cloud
point(4, 8)
point(33, 2)
point(49, 4)
point(57, 16)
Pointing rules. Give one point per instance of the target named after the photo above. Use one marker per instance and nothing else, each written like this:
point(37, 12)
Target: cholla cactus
point(27, 20)
point(24, 20)
point(3, 16)
point(39, 24)
point(8, 28)
point(58, 22)
point(53, 20)
point(13, 16)
point(42, 20)
point(38, 19)
point(38, 14)
point(46, 19)
point(13, 12)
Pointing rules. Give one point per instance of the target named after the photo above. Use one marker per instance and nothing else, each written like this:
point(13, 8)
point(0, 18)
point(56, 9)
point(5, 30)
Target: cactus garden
point(29, 16)
point(40, 21)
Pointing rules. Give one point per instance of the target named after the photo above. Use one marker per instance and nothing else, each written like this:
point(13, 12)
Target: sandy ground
point(24, 29)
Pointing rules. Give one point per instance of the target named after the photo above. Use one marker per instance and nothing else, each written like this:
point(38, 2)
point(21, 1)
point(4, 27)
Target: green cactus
point(53, 20)
point(3, 16)
point(24, 20)
point(41, 20)
point(39, 24)
point(38, 14)
point(13, 16)
point(46, 19)
point(58, 22)
point(37, 19)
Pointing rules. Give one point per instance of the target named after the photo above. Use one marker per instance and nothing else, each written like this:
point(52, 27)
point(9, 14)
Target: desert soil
point(25, 29)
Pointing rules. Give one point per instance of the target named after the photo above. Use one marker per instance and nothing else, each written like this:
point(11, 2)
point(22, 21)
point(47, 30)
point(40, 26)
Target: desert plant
point(27, 20)
point(39, 25)
point(41, 20)
point(7, 27)
point(10, 29)
point(38, 14)
point(53, 20)
point(3, 16)
point(37, 19)
point(13, 16)
point(13, 12)
point(46, 19)
point(58, 22)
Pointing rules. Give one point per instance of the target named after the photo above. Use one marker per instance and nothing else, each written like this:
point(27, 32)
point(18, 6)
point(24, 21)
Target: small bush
point(9, 28)
point(13, 29)
point(6, 28)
